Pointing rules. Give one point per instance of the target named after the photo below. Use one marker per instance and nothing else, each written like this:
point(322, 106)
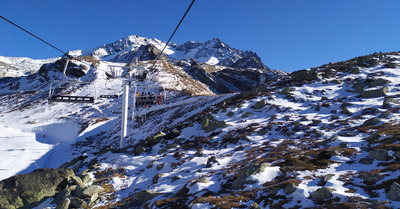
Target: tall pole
point(124, 116)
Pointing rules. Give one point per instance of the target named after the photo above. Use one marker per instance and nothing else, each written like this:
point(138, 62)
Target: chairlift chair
point(56, 96)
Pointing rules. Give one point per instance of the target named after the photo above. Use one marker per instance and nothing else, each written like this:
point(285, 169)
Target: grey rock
point(302, 75)
point(29, 189)
point(77, 202)
point(245, 173)
point(211, 161)
point(371, 122)
point(378, 82)
point(379, 154)
point(247, 114)
point(61, 196)
point(230, 114)
point(370, 178)
point(255, 206)
point(387, 101)
point(145, 196)
point(324, 179)
point(394, 192)
point(290, 188)
point(321, 194)
point(139, 150)
point(358, 87)
point(366, 161)
point(157, 177)
point(78, 181)
point(64, 204)
point(156, 138)
point(260, 104)
point(214, 125)
point(92, 189)
point(375, 93)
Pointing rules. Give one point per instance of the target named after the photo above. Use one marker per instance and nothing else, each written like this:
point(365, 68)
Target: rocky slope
point(325, 137)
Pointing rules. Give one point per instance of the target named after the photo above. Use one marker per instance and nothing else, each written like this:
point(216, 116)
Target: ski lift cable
point(173, 34)
point(51, 45)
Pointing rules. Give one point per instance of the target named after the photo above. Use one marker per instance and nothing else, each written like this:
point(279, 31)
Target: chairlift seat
point(71, 99)
point(113, 96)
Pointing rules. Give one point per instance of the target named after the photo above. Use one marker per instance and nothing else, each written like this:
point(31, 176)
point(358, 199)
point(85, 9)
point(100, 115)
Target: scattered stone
point(260, 104)
point(144, 196)
point(255, 206)
point(321, 194)
point(336, 81)
point(387, 101)
point(64, 204)
point(247, 114)
point(375, 93)
point(230, 114)
point(160, 166)
point(156, 138)
point(61, 196)
point(78, 181)
point(324, 179)
point(366, 161)
point(347, 112)
point(157, 177)
point(370, 111)
point(244, 173)
point(290, 188)
point(385, 115)
point(315, 122)
point(379, 154)
point(394, 192)
point(274, 190)
point(391, 65)
point(139, 150)
point(77, 202)
point(378, 82)
point(92, 189)
point(214, 125)
point(302, 75)
point(211, 161)
point(358, 87)
point(371, 122)
point(397, 155)
point(176, 178)
point(370, 178)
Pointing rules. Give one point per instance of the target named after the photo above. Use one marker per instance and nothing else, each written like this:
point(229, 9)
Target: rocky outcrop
point(394, 192)
point(244, 173)
point(321, 194)
point(302, 75)
point(28, 190)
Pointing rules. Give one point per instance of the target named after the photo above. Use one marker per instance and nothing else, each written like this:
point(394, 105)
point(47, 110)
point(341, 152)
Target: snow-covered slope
point(21, 66)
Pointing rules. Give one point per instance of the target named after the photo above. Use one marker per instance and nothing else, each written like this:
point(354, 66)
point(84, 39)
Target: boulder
point(358, 87)
point(366, 161)
point(211, 161)
point(371, 122)
point(28, 190)
point(387, 101)
point(244, 173)
point(394, 192)
point(230, 114)
point(214, 125)
point(139, 150)
point(146, 195)
point(64, 204)
point(324, 179)
point(370, 178)
point(255, 206)
point(321, 194)
point(77, 202)
point(302, 75)
point(247, 114)
point(379, 154)
point(290, 188)
point(78, 181)
point(92, 189)
point(61, 196)
point(260, 104)
point(378, 82)
point(375, 93)
point(156, 138)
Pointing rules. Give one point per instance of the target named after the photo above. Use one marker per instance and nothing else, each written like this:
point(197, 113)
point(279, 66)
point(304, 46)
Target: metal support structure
point(124, 115)
point(134, 104)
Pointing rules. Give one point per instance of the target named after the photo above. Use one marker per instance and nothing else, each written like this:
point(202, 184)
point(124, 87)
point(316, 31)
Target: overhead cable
point(35, 36)
point(173, 34)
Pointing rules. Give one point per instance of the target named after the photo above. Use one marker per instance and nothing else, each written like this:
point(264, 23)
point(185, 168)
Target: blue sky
point(287, 34)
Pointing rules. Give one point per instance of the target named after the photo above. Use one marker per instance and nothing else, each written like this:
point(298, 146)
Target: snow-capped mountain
point(212, 52)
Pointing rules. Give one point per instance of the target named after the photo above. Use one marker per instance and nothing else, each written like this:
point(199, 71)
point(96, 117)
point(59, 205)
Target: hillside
point(318, 138)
